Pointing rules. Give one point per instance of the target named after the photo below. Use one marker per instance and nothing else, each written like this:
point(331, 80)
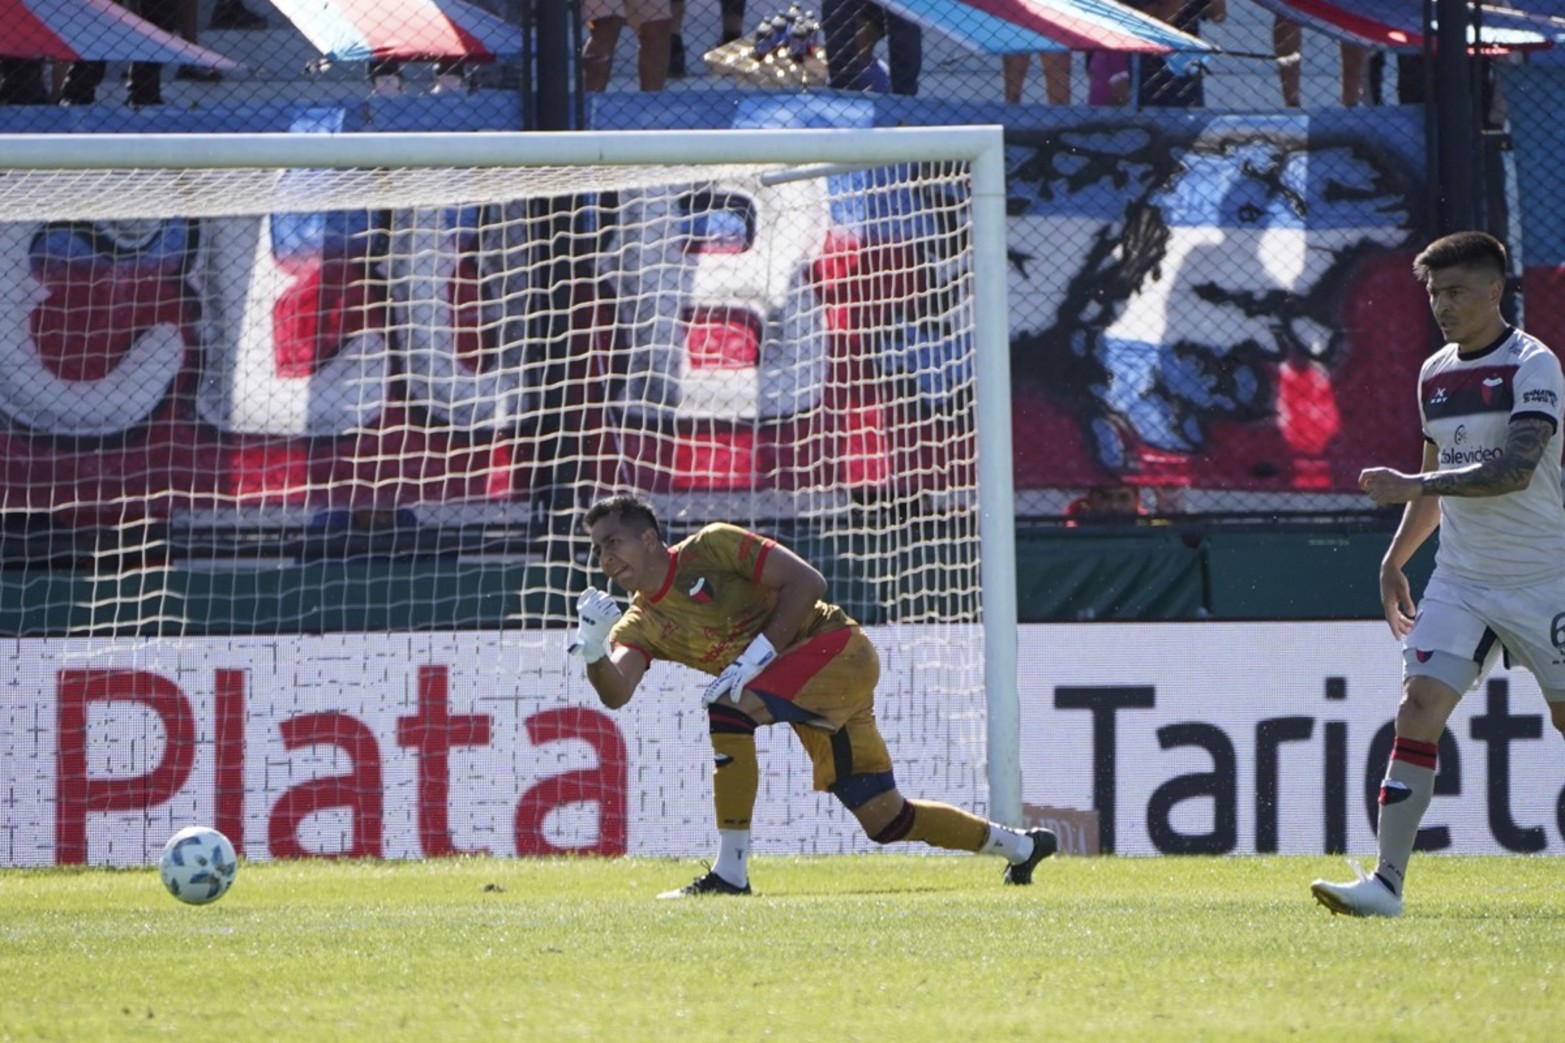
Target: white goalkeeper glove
point(596, 614)
point(741, 671)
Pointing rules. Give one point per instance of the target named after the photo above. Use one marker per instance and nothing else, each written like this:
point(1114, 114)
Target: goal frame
point(981, 147)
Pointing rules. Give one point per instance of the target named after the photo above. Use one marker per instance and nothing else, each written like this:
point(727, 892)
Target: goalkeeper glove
point(596, 614)
point(741, 671)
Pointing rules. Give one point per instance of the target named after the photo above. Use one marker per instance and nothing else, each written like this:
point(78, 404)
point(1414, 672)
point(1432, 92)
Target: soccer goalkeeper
point(748, 611)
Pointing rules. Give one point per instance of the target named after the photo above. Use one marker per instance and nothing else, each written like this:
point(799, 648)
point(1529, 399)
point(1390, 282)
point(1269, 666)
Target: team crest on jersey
point(701, 592)
point(1491, 387)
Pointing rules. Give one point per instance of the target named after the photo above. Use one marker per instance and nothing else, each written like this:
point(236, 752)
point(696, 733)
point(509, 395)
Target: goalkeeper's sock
point(1007, 843)
point(941, 825)
point(1404, 797)
point(733, 856)
point(736, 777)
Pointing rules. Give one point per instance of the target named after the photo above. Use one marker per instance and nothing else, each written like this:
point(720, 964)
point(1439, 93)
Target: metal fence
point(1212, 312)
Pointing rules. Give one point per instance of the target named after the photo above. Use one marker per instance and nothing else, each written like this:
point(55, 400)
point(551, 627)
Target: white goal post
point(802, 331)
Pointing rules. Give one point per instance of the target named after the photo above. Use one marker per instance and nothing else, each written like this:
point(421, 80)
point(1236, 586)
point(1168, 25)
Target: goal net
point(298, 431)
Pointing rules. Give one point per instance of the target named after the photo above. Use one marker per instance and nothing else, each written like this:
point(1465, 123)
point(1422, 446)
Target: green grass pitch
point(884, 948)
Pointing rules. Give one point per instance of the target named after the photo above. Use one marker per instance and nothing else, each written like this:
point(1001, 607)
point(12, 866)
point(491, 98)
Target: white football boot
point(1366, 896)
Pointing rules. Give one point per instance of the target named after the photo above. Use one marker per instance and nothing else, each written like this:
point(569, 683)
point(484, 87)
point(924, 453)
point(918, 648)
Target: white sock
point(733, 856)
point(1016, 847)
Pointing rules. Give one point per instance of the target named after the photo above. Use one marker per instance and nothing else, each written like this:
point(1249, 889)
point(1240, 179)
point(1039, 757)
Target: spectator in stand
point(386, 81)
point(21, 82)
point(145, 80)
point(228, 14)
point(733, 28)
point(189, 28)
point(840, 20)
point(232, 14)
point(1413, 85)
point(1108, 78)
point(1288, 46)
point(1056, 67)
point(676, 40)
point(1156, 84)
point(652, 22)
point(1356, 64)
point(1108, 503)
point(867, 73)
point(144, 83)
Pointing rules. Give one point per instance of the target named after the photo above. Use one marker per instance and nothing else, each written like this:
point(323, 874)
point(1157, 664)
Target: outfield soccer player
point(1490, 481)
point(747, 610)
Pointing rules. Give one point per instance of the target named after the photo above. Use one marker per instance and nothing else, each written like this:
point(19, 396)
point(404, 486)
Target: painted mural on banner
point(1200, 300)
point(1217, 302)
point(1195, 299)
point(1535, 93)
point(712, 335)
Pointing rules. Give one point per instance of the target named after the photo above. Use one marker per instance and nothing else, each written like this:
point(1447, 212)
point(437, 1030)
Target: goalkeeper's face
point(632, 557)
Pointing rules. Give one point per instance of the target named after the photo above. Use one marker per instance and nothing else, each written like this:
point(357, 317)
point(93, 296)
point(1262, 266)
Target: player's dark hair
point(631, 509)
point(1462, 250)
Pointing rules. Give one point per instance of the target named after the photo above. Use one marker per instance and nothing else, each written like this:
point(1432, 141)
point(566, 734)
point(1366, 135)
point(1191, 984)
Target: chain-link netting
point(1213, 203)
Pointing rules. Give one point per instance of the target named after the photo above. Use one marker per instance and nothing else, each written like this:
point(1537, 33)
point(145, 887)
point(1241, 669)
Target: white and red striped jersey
point(1467, 403)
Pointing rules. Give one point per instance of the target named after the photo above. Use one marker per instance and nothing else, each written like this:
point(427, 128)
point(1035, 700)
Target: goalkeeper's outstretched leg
point(890, 817)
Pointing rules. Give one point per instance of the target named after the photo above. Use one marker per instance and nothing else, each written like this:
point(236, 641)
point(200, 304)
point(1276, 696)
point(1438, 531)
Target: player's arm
point(1420, 518)
point(798, 585)
point(1525, 440)
point(615, 676)
point(1511, 471)
point(614, 670)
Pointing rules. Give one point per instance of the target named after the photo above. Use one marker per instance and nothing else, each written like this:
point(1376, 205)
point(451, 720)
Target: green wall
point(315, 598)
point(1172, 573)
point(1150, 573)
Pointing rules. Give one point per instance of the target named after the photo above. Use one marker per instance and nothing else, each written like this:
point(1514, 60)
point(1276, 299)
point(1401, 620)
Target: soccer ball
point(198, 865)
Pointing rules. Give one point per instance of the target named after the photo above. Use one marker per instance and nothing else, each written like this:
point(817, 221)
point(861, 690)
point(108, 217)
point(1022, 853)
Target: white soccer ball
point(198, 865)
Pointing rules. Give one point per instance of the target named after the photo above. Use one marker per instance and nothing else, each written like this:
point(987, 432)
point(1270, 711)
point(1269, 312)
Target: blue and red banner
point(96, 30)
point(1398, 25)
point(1536, 95)
point(1212, 302)
point(404, 30)
point(1221, 304)
point(1025, 26)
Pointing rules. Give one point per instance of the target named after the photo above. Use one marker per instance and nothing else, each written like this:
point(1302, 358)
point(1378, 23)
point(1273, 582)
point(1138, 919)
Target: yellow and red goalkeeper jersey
point(711, 604)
